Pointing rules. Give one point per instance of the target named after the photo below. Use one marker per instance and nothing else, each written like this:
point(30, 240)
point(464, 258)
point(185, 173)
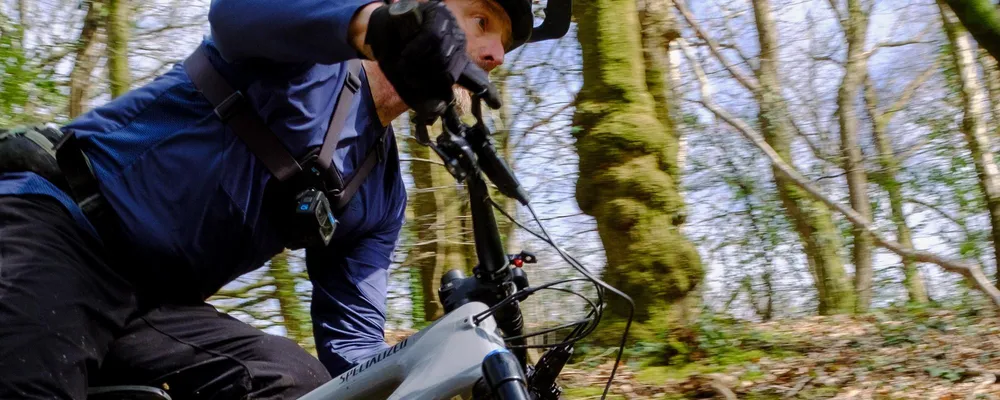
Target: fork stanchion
point(503, 375)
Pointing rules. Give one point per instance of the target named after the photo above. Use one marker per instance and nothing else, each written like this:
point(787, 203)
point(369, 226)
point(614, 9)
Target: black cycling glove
point(423, 56)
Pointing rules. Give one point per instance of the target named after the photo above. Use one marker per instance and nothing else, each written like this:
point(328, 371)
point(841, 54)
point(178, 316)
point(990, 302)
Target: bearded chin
point(463, 101)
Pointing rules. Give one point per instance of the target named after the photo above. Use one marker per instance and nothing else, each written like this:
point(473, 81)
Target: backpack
point(30, 148)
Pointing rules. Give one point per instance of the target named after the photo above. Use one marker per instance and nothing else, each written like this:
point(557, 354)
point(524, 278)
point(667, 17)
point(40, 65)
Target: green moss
point(752, 375)
point(982, 19)
point(628, 169)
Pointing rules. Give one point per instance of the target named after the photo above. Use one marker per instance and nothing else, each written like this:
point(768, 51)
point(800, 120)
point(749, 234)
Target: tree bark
point(118, 27)
point(982, 19)
point(813, 220)
point(973, 126)
point(85, 61)
point(856, 28)
point(627, 167)
point(658, 29)
point(422, 256)
point(991, 71)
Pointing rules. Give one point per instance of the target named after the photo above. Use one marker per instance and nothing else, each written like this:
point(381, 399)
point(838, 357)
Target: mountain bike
point(478, 349)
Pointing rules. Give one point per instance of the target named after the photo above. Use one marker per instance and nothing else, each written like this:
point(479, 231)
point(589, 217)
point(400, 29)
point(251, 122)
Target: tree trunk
point(912, 280)
point(627, 167)
point(658, 29)
point(991, 71)
point(422, 255)
point(856, 29)
point(982, 19)
point(506, 146)
point(887, 177)
point(118, 27)
point(439, 226)
point(85, 61)
point(293, 311)
point(973, 126)
point(813, 220)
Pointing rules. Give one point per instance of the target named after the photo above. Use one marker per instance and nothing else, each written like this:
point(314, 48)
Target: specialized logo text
point(372, 361)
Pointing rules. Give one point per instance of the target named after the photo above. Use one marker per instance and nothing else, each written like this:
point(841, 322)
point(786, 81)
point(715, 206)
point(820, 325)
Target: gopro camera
point(313, 219)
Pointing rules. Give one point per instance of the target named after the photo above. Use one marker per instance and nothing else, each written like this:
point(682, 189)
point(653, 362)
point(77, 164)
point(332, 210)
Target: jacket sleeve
point(293, 31)
point(349, 298)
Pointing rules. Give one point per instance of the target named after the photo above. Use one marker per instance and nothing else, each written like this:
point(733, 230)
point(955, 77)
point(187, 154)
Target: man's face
point(487, 31)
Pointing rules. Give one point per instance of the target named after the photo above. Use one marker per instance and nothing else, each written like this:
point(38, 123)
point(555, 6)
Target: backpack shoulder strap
point(235, 111)
point(352, 84)
point(373, 158)
point(342, 191)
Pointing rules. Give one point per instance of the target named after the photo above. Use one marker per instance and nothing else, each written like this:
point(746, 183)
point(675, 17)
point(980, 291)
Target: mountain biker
point(114, 293)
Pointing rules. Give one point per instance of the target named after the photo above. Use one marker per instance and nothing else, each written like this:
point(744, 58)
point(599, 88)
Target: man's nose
point(491, 56)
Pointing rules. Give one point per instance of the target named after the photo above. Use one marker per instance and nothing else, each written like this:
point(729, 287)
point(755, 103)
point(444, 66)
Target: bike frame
point(441, 361)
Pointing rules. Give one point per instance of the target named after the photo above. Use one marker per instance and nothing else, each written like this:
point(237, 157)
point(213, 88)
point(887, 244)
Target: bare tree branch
point(910, 90)
point(972, 272)
point(746, 81)
point(836, 11)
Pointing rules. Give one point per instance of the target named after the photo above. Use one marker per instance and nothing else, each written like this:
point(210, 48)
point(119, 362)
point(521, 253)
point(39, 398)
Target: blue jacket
point(189, 193)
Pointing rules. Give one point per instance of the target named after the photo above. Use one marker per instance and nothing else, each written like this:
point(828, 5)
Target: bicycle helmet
point(521, 20)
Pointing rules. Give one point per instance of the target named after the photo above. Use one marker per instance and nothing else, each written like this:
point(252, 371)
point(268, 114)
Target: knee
point(279, 365)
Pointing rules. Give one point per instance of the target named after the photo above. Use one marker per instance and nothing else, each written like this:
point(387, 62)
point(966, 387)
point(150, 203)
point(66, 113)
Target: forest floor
point(888, 354)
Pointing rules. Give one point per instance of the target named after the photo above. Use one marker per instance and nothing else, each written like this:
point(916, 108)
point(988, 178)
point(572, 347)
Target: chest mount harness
point(306, 193)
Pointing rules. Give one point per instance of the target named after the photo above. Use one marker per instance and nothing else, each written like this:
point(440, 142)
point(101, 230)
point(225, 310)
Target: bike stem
point(493, 262)
point(463, 149)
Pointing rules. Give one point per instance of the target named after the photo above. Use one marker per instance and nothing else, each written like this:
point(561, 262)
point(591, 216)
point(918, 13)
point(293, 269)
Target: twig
point(722, 389)
point(991, 378)
point(798, 386)
point(746, 81)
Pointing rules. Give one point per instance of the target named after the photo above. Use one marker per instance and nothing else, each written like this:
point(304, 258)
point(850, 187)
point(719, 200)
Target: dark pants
point(68, 320)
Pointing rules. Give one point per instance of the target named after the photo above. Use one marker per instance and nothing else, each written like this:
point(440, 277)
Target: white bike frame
point(441, 361)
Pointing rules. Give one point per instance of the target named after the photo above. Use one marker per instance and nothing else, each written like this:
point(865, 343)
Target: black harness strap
point(373, 158)
point(234, 110)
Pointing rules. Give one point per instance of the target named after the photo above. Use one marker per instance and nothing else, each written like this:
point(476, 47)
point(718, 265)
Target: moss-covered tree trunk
point(628, 170)
point(856, 29)
point(973, 125)
point(982, 19)
point(118, 26)
point(813, 220)
point(294, 312)
point(85, 60)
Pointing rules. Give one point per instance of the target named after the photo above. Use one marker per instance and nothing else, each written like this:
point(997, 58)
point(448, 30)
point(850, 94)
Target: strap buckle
point(353, 83)
point(227, 108)
point(380, 147)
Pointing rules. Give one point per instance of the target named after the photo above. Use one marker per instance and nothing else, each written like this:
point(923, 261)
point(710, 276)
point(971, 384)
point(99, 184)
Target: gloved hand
point(422, 54)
